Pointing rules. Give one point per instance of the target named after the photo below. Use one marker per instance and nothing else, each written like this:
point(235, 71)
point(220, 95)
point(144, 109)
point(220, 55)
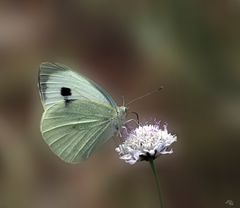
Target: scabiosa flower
point(146, 142)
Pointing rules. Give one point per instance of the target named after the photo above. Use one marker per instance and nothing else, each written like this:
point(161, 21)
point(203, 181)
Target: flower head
point(145, 143)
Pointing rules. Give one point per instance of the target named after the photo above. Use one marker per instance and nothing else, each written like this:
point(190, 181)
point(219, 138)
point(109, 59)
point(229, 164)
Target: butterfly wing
point(59, 83)
point(74, 131)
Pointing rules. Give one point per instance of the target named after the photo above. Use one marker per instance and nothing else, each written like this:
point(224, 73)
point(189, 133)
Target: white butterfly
point(79, 115)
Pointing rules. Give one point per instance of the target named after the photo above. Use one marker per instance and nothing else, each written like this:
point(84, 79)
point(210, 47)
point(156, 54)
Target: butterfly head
point(122, 112)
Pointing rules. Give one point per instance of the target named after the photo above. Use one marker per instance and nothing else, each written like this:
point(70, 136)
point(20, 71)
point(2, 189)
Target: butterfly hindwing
point(59, 83)
point(73, 132)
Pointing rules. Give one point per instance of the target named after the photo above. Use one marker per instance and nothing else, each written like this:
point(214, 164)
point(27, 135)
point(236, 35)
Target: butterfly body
point(79, 116)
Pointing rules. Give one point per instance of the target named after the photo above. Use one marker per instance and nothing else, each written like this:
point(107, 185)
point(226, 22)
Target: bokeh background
point(190, 47)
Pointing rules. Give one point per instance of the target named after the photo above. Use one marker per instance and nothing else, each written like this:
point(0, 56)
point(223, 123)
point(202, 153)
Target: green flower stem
point(156, 176)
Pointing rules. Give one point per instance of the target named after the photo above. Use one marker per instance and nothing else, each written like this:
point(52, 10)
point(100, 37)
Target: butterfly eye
point(66, 91)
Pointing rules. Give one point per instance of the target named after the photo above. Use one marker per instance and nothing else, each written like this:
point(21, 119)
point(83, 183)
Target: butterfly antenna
point(146, 95)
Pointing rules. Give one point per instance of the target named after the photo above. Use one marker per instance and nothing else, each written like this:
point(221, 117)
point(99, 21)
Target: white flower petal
point(131, 162)
point(117, 149)
point(166, 152)
point(126, 157)
point(152, 152)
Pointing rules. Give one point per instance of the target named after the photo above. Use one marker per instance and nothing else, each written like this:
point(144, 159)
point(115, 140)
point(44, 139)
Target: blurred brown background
point(128, 47)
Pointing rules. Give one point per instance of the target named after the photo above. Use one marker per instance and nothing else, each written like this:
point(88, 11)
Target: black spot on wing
point(65, 91)
point(68, 101)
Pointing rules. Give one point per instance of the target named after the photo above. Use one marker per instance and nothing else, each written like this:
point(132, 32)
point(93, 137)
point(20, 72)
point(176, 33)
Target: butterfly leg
point(131, 120)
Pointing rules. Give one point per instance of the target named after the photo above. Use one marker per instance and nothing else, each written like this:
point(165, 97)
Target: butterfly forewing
point(58, 83)
point(74, 131)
